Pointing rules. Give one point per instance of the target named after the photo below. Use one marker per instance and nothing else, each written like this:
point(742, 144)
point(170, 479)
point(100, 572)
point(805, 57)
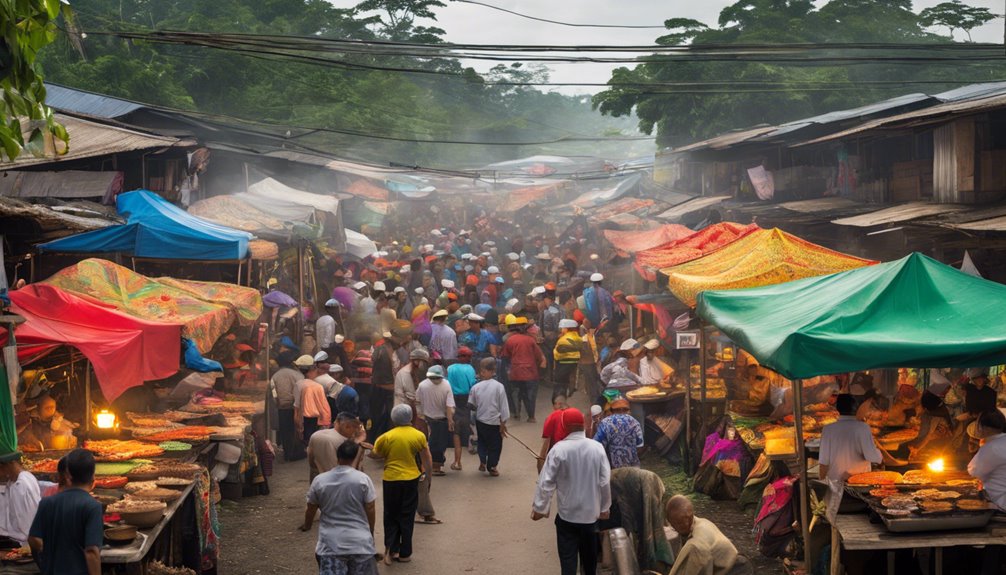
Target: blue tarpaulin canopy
point(156, 228)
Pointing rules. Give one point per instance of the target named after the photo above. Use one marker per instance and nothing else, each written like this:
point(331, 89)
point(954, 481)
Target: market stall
point(911, 312)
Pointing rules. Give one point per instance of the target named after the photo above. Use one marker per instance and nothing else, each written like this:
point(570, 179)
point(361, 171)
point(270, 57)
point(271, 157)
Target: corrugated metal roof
point(726, 140)
point(990, 225)
point(819, 205)
point(901, 213)
point(53, 217)
point(930, 115)
point(681, 210)
point(972, 91)
point(88, 103)
point(92, 139)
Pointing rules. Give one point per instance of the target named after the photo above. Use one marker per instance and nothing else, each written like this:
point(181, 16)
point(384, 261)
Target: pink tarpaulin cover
point(637, 241)
point(125, 351)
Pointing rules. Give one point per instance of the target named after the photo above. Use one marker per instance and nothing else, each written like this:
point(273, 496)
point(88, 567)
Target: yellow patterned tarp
point(761, 258)
point(206, 310)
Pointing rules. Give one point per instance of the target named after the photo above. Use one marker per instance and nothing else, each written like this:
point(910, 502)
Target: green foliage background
point(458, 106)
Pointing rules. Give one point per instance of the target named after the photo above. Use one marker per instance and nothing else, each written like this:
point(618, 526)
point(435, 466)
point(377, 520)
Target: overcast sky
point(468, 23)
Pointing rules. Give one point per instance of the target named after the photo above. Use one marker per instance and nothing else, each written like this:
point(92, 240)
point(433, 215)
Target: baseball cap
point(435, 372)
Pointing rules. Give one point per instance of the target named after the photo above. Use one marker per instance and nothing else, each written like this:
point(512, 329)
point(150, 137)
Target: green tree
point(26, 27)
point(956, 15)
point(684, 99)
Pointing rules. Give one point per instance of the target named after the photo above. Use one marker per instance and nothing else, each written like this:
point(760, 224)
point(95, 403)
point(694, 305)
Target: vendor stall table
point(854, 532)
point(132, 557)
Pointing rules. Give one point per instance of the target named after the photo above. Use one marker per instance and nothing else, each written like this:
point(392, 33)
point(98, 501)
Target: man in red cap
point(577, 471)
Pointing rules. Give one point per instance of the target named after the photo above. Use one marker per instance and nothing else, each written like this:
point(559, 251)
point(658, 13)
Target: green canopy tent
point(913, 312)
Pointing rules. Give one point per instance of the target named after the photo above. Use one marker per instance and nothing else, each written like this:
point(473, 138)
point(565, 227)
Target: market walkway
point(487, 527)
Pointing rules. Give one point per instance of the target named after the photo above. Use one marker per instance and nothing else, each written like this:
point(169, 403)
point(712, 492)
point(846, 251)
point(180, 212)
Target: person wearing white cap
point(599, 306)
point(284, 390)
point(402, 303)
point(435, 404)
point(653, 370)
point(327, 324)
point(379, 287)
point(617, 375)
point(567, 357)
point(368, 305)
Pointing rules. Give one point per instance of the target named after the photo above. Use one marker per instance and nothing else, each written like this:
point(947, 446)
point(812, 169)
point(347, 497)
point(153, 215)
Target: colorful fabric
point(637, 241)
point(763, 257)
point(234, 212)
point(622, 436)
point(523, 197)
point(347, 565)
point(207, 494)
point(638, 494)
point(206, 310)
point(689, 247)
point(125, 351)
point(614, 210)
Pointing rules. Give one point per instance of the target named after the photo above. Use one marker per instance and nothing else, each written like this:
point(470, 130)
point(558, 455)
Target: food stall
point(911, 312)
point(110, 341)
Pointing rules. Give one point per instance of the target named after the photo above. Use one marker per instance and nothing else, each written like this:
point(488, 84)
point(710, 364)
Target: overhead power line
point(557, 22)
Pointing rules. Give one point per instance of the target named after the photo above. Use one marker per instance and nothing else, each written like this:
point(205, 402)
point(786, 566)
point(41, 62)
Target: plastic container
point(229, 453)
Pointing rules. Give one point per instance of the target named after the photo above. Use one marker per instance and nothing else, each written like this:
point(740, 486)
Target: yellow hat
point(510, 319)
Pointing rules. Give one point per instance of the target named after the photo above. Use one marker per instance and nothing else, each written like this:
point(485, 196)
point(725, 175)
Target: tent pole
point(688, 417)
point(240, 264)
point(249, 270)
point(87, 399)
point(703, 361)
point(268, 378)
point(801, 453)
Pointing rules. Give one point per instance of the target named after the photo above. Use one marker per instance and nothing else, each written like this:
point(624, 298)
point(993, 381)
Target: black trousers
point(310, 426)
point(565, 374)
point(440, 438)
point(576, 540)
point(286, 434)
point(490, 444)
point(381, 402)
point(401, 499)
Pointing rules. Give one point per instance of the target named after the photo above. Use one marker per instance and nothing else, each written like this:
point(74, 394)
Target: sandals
point(494, 472)
point(430, 521)
point(440, 472)
point(482, 467)
point(456, 466)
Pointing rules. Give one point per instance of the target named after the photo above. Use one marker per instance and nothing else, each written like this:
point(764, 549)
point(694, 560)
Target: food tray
point(937, 521)
point(661, 398)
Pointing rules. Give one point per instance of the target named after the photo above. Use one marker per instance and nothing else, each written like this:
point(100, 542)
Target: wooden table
point(855, 533)
point(132, 555)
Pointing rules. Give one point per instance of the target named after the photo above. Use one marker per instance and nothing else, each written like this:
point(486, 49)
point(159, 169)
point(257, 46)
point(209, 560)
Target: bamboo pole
point(87, 399)
point(801, 453)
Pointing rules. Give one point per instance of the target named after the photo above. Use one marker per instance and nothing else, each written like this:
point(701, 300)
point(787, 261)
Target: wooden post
point(87, 399)
point(688, 418)
point(801, 453)
point(268, 379)
point(703, 362)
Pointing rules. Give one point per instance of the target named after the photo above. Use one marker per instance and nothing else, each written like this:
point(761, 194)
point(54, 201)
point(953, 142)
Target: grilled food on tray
point(930, 506)
point(899, 502)
point(876, 478)
point(972, 504)
point(935, 495)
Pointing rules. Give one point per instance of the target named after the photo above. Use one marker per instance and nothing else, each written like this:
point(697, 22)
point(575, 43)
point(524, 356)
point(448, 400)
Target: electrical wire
point(557, 22)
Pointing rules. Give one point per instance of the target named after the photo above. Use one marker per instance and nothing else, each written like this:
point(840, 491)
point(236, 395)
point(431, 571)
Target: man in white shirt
point(346, 498)
point(488, 404)
point(847, 446)
point(19, 497)
point(324, 328)
point(577, 470)
point(653, 370)
point(435, 404)
point(989, 464)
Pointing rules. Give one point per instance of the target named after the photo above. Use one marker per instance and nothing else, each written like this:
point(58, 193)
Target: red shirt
point(525, 356)
point(553, 430)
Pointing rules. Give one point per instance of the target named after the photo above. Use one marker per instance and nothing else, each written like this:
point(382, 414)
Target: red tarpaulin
point(125, 351)
point(637, 241)
point(690, 247)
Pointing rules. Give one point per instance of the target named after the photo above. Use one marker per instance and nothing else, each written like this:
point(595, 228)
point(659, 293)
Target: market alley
point(487, 527)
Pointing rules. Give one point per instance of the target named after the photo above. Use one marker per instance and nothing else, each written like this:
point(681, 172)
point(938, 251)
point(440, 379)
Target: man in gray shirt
point(346, 498)
point(284, 392)
point(488, 403)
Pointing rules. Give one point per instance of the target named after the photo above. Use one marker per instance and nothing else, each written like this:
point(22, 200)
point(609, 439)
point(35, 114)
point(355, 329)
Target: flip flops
point(430, 521)
point(456, 466)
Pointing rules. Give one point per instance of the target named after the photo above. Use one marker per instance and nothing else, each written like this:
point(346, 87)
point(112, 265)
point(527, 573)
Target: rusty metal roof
point(900, 213)
point(89, 139)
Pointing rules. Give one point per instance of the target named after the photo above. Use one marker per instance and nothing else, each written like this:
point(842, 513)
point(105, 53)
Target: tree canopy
point(339, 94)
point(738, 94)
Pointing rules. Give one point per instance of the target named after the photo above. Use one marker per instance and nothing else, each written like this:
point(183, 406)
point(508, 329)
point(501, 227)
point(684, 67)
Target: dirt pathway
point(487, 527)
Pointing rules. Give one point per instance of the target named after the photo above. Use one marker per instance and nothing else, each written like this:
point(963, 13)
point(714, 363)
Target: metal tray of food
point(937, 521)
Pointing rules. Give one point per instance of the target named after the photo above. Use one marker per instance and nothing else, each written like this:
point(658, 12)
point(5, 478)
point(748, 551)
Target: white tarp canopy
point(277, 197)
point(359, 245)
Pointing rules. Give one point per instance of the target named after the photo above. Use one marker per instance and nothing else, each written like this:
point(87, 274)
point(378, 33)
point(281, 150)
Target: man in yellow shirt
point(399, 447)
point(567, 357)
